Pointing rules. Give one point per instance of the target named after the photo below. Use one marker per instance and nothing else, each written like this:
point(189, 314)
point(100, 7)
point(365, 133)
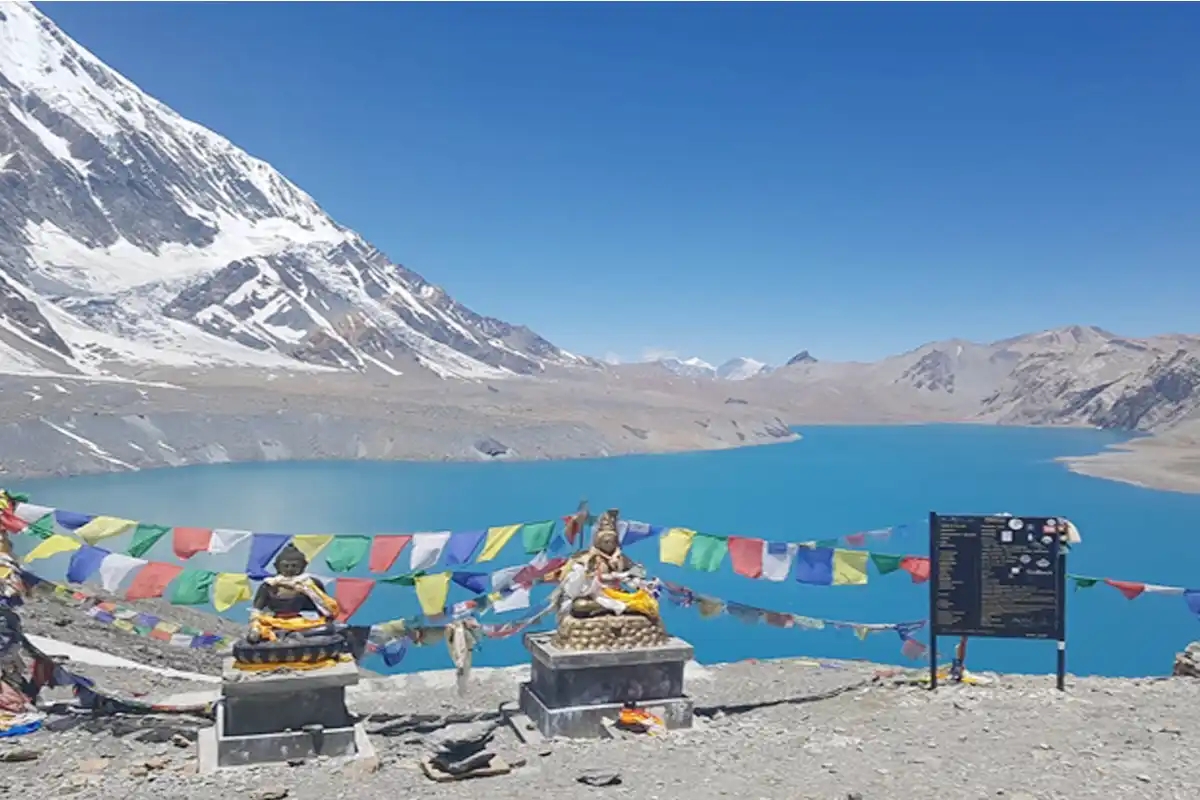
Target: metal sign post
point(999, 577)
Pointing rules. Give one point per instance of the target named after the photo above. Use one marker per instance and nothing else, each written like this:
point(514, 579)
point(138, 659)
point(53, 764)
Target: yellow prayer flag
point(432, 591)
point(496, 539)
point(53, 546)
point(861, 632)
point(674, 545)
point(101, 528)
point(312, 543)
point(850, 567)
point(229, 589)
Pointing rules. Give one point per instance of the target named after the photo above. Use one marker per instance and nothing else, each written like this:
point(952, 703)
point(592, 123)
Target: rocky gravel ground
point(778, 729)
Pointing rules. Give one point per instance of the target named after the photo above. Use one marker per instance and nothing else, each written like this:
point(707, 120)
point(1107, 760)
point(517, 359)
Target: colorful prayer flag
point(152, 580)
point(916, 566)
point(708, 552)
point(535, 537)
point(229, 589)
point(350, 594)
point(496, 539)
point(777, 560)
point(115, 567)
point(385, 550)
point(187, 542)
point(42, 528)
point(513, 600)
point(1084, 583)
point(462, 546)
point(223, 540)
point(471, 581)
point(1131, 589)
point(192, 587)
point(633, 531)
point(100, 528)
point(347, 552)
point(145, 537)
point(849, 567)
point(814, 565)
point(52, 546)
point(263, 547)
point(84, 563)
point(432, 591)
point(746, 556)
point(885, 563)
point(311, 543)
point(427, 549)
point(69, 520)
point(674, 545)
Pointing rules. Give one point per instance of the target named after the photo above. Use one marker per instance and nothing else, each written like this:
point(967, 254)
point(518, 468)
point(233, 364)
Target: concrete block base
point(587, 722)
point(571, 693)
point(218, 749)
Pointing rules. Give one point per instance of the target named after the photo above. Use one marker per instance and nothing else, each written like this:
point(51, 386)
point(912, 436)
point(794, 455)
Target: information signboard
point(997, 576)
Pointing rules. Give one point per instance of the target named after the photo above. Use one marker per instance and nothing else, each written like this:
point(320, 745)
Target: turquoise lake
point(835, 481)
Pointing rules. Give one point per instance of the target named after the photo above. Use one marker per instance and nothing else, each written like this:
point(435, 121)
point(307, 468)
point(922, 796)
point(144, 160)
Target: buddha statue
point(605, 602)
point(293, 620)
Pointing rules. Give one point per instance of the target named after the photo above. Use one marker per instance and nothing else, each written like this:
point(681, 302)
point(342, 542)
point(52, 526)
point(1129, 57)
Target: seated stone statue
point(293, 620)
point(604, 600)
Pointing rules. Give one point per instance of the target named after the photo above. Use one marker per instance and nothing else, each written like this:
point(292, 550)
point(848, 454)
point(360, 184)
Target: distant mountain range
point(132, 238)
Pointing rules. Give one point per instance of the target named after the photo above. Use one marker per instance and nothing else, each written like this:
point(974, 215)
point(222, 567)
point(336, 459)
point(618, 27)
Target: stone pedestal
point(279, 716)
point(572, 692)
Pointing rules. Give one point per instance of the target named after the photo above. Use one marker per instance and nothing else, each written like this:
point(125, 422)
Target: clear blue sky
point(723, 179)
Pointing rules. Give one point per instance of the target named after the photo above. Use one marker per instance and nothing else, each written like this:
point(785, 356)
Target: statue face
point(606, 542)
point(290, 566)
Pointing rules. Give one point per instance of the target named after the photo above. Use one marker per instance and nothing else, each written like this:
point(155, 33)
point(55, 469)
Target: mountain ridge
point(129, 233)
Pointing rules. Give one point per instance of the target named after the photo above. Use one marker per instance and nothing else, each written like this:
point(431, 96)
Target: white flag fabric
point(223, 540)
point(518, 598)
point(115, 567)
point(503, 578)
point(426, 549)
point(30, 513)
point(777, 560)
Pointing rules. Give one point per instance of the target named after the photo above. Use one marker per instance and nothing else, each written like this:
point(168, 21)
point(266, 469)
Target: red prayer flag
point(188, 541)
point(856, 539)
point(917, 566)
point(746, 555)
point(152, 580)
point(10, 522)
point(1130, 589)
point(385, 550)
point(572, 525)
point(351, 593)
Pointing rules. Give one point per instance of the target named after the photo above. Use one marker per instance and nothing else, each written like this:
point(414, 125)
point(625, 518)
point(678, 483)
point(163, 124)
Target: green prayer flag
point(708, 552)
point(403, 580)
point(43, 528)
point(192, 587)
point(19, 497)
point(1084, 583)
point(885, 563)
point(144, 537)
point(826, 543)
point(345, 553)
point(536, 536)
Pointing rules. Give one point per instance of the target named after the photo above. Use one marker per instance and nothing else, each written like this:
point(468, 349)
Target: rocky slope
point(1076, 375)
point(129, 234)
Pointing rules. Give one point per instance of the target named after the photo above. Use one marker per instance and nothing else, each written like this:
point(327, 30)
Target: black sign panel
point(997, 576)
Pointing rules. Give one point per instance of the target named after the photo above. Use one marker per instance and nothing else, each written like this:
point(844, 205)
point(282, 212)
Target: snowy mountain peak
point(130, 234)
point(736, 369)
point(740, 369)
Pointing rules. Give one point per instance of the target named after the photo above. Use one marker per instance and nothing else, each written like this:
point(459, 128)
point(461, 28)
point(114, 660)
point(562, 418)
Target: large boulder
point(1187, 663)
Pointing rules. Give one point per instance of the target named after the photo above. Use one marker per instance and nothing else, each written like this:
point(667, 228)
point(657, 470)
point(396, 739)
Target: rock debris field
point(787, 729)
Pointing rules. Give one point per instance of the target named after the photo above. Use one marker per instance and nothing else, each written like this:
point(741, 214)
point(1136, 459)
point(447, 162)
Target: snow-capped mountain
point(131, 234)
point(739, 369)
point(736, 369)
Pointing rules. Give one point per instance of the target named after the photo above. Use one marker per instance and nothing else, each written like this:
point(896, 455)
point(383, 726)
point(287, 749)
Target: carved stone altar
point(283, 715)
point(572, 692)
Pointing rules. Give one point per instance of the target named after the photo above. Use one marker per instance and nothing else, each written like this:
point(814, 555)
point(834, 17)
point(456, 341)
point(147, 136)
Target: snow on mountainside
point(130, 234)
point(736, 369)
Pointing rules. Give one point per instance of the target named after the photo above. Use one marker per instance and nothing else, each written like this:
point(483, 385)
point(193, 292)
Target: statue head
point(606, 539)
point(290, 562)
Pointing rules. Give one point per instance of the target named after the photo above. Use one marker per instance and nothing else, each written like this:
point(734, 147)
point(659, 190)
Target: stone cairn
point(1187, 663)
point(463, 749)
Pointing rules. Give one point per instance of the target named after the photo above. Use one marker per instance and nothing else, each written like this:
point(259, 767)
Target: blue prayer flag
point(462, 546)
point(814, 565)
point(84, 563)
